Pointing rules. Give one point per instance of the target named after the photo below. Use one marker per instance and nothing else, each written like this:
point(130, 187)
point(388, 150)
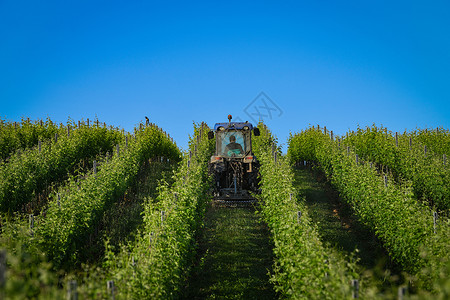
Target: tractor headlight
point(221, 128)
point(245, 127)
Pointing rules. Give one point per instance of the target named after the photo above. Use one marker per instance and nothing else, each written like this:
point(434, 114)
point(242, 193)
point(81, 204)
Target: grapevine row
point(437, 140)
point(404, 225)
point(157, 263)
point(407, 159)
point(18, 136)
point(59, 235)
point(69, 221)
point(28, 173)
point(26, 134)
point(304, 267)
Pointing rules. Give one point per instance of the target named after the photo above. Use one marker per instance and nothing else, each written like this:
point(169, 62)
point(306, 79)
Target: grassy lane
point(340, 230)
point(235, 256)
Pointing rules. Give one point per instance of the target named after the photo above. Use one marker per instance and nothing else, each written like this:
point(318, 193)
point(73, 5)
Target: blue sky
point(335, 64)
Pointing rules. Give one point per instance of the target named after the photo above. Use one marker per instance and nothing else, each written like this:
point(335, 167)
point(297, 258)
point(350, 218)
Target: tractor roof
point(233, 125)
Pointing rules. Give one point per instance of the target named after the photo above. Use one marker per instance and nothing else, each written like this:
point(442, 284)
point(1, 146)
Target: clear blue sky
point(331, 63)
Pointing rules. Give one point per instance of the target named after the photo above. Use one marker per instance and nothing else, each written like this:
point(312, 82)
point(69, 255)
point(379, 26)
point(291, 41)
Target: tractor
point(234, 167)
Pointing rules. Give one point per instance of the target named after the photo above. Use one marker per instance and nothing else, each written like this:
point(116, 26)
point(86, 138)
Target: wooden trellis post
point(2, 268)
point(31, 224)
point(401, 292)
point(72, 293)
point(150, 239)
point(111, 289)
point(435, 220)
point(355, 285)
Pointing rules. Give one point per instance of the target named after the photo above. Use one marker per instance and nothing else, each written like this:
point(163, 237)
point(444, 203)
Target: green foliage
point(164, 249)
point(66, 225)
point(429, 176)
point(29, 172)
point(26, 134)
point(404, 225)
point(438, 140)
point(29, 275)
point(304, 268)
point(61, 232)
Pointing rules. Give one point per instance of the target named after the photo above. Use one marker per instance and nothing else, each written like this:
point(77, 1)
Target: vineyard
point(89, 211)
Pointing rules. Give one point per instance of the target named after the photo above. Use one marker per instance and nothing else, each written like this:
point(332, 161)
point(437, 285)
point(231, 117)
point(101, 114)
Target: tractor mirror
point(256, 131)
point(211, 135)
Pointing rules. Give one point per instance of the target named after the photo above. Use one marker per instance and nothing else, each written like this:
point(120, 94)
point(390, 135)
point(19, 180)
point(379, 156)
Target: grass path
point(235, 256)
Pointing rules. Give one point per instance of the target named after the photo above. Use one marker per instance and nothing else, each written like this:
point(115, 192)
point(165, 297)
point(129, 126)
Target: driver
point(233, 148)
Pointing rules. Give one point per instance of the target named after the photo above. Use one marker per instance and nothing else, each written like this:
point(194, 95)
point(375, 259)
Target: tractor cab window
point(231, 144)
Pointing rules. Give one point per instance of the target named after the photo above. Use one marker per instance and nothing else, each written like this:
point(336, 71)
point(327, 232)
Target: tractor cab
point(234, 167)
point(233, 139)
